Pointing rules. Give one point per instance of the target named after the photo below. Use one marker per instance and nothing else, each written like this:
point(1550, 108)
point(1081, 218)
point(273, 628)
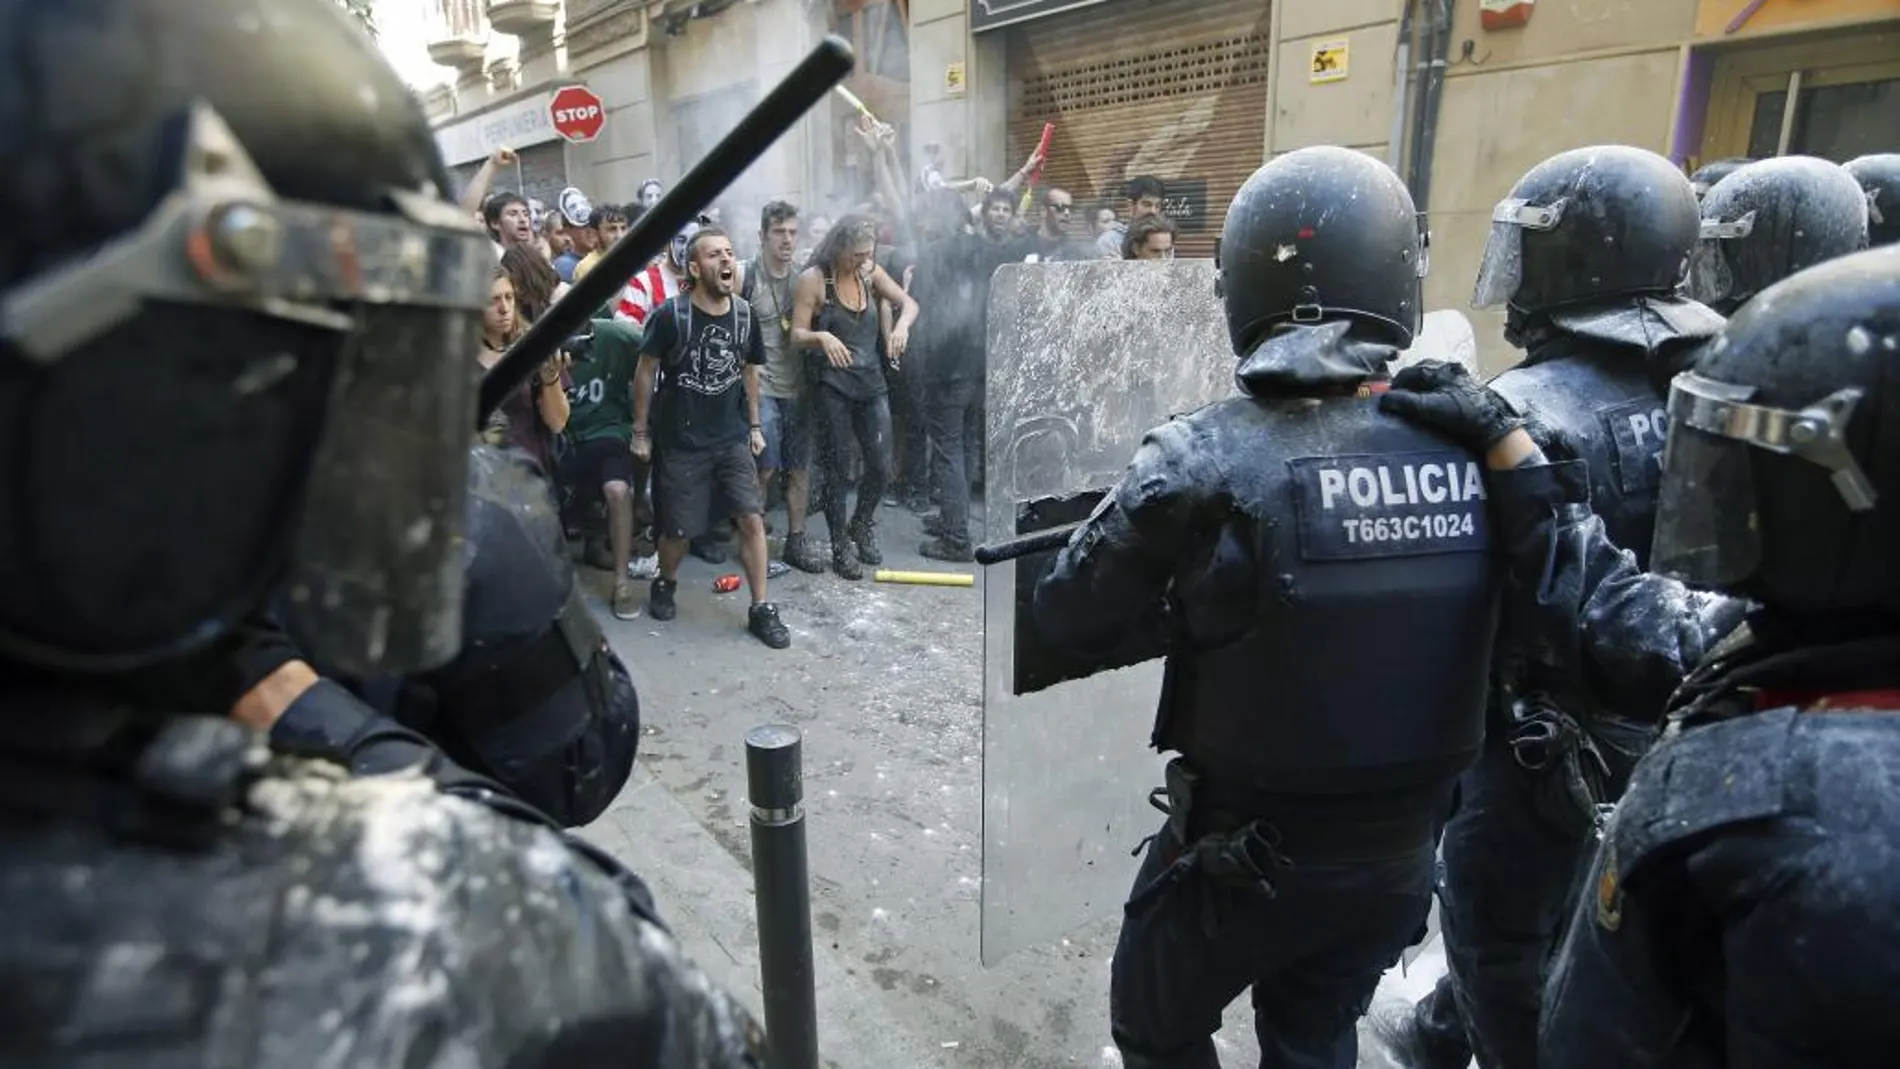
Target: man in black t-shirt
point(706, 342)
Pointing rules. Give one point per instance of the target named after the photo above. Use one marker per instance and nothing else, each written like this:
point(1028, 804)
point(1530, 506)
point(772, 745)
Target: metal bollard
point(775, 784)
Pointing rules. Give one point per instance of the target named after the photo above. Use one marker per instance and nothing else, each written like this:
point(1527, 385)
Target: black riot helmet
point(1588, 225)
point(1770, 219)
point(238, 323)
point(1879, 177)
point(1707, 175)
point(1317, 234)
point(1781, 477)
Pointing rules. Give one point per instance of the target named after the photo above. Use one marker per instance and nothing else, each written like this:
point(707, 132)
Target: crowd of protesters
point(830, 362)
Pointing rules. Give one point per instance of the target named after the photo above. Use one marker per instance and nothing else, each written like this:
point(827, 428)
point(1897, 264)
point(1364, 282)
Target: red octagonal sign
point(577, 113)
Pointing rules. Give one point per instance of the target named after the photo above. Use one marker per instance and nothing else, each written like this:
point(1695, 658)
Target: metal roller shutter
point(1172, 88)
point(540, 174)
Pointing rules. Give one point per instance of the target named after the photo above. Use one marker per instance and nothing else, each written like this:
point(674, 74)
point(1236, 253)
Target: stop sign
point(577, 113)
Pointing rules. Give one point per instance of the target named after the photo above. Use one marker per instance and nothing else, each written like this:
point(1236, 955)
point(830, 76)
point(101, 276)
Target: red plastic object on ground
point(726, 584)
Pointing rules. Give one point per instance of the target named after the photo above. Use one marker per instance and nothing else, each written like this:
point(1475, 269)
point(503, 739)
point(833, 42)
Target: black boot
point(863, 532)
point(798, 553)
point(942, 548)
point(844, 560)
point(708, 547)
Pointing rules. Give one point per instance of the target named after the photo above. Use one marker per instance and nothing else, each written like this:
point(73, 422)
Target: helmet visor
point(1502, 269)
point(1707, 533)
point(376, 581)
point(1705, 511)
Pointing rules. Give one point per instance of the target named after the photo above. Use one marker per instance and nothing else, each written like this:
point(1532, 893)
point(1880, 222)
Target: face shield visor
point(1707, 533)
point(1711, 279)
point(374, 576)
point(1502, 269)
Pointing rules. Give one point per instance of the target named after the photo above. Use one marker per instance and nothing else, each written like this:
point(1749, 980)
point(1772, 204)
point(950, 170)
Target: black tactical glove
point(1445, 398)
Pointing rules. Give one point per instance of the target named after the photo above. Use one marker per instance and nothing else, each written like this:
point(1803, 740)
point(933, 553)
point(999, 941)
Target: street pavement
point(884, 683)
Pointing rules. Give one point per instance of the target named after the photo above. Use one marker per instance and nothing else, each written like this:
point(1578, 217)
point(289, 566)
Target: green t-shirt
point(600, 401)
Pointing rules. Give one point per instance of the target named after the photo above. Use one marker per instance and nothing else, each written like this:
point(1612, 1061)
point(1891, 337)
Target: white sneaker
point(643, 567)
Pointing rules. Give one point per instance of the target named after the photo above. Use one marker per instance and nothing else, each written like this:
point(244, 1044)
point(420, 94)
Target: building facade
point(1460, 96)
point(673, 78)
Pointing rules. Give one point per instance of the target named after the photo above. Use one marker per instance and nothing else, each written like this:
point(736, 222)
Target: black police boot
point(660, 604)
point(765, 626)
point(844, 560)
point(863, 532)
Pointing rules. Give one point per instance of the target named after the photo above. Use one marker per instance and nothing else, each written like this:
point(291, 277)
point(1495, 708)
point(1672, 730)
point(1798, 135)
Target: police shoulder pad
point(1701, 779)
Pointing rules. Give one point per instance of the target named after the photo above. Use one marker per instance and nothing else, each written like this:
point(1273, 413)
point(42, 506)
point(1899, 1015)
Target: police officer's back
point(237, 313)
point(1317, 574)
point(1744, 908)
point(1585, 257)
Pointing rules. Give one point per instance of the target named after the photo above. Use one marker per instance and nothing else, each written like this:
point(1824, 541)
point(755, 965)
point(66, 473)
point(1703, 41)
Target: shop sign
point(516, 124)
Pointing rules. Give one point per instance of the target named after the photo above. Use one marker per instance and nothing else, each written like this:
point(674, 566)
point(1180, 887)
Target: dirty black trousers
point(1510, 877)
point(910, 470)
point(1312, 949)
point(948, 404)
point(868, 423)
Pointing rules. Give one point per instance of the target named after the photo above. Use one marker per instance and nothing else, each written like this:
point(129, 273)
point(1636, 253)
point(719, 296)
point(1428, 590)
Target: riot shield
point(1083, 359)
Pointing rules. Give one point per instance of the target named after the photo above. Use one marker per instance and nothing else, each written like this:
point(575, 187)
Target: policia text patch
point(1389, 505)
point(1638, 429)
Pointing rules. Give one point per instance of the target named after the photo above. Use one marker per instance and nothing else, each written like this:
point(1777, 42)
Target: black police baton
point(1024, 545)
point(808, 83)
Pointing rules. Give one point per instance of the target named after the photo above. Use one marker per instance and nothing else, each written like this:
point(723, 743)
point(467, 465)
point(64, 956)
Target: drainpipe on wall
point(1415, 100)
point(1437, 38)
point(1401, 90)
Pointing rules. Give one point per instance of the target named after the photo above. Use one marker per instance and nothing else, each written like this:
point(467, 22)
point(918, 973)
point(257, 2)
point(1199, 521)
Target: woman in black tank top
point(836, 323)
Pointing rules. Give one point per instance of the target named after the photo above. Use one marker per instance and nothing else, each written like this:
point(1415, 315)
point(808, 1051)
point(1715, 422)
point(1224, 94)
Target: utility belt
point(1245, 833)
point(1579, 771)
point(1249, 846)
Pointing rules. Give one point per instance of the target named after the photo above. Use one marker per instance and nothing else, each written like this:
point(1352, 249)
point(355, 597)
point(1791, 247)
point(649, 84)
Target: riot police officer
point(536, 699)
point(1707, 175)
point(1270, 544)
point(1767, 220)
point(1585, 256)
point(1742, 908)
point(234, 317)
point(1879, 177)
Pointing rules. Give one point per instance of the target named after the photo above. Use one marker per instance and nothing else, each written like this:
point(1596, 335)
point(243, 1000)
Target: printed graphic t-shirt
point(600, 401)
point(702, 398)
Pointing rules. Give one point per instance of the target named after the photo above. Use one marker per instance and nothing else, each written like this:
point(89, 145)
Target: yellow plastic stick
point(884, 575)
